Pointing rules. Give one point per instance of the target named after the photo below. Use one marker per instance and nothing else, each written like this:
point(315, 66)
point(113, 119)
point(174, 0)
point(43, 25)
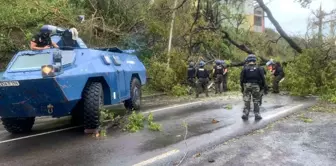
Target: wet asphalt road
point(118, 148)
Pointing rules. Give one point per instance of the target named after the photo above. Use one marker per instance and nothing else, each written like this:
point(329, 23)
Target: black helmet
point(202, 64)
point(251, 58)
point(191, 64)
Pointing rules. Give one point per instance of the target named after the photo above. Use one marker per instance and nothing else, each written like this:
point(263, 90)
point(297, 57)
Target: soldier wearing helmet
point(278, 73)
point(191, 75)
point(252, 80)
point(218, 74)
point(225, 75)
point(42, 40)
point(202, 75)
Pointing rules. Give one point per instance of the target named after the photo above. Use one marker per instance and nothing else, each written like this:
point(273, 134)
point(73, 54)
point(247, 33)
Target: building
point(254, 15)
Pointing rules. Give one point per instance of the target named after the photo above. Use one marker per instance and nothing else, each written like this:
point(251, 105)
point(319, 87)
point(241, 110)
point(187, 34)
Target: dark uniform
point(42, 40)
point(262, 91)
point(191, 75)
point(225, 76)
point(203, 79)
point(218, 76)
point(252, 80)
point(278, 75)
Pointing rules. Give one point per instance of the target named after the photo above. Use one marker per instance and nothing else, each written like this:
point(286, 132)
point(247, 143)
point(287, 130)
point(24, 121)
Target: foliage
point(312, 73)
point(145, 26)
point(106, 114)
point(179, 90)
point(233, 82)
point(136, 122)
point(152, 125)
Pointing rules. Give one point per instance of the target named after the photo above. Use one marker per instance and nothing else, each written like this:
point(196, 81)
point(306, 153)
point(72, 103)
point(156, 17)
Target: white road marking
point(156, 158)
point(171, 107)
point(35, 135)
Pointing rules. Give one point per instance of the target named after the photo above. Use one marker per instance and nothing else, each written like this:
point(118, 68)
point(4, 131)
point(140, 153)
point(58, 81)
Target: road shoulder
point(305, 138)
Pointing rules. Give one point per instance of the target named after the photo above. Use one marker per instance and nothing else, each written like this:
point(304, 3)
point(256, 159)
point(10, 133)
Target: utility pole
point(171, 32)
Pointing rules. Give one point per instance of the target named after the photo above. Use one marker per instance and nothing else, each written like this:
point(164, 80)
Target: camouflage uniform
point(251, 89)
point(252, 79)
point(218, 71)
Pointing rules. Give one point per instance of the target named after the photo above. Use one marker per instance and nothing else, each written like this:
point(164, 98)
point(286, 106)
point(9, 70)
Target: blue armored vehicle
point(69, 80)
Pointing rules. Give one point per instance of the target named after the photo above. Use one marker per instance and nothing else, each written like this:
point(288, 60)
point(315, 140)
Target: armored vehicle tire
point(134, 102)
point(93, 99)
point(77, 114)
point(18, 125)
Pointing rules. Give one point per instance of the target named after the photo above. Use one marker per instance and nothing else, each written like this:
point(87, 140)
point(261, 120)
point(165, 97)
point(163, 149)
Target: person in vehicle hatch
point(42, 40)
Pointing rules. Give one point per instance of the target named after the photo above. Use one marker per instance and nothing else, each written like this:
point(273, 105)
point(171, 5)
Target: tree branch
point(179, 6)
point(278, 27)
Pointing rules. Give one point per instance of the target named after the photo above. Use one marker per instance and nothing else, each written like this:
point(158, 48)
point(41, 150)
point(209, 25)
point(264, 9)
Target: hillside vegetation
point(203, 29)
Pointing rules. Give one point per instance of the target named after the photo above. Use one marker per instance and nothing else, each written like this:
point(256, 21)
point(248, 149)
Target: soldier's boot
point(246, 113)
point(256, 112)
point(257, 116)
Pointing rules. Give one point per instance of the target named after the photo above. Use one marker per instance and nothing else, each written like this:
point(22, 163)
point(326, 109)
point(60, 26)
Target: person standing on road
point(191, 75)
point(261, 89)
point(225, 76)
point(218, 71)
point(251, 81)
point(202, 75)
point(278, 73)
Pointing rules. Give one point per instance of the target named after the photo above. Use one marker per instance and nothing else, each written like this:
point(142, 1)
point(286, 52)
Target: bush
point(164, 77)
point(311, 74)
point(179, 90)
point(233, 82)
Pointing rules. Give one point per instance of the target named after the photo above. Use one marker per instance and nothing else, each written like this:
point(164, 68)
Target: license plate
point(9, 83)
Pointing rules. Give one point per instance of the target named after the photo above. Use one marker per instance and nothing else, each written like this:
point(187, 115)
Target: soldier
point(278, 73)
point(218, 71)
point(191, 75)
point(261, 89)
point(225, 76)
point(251, 81)
point(203, 79)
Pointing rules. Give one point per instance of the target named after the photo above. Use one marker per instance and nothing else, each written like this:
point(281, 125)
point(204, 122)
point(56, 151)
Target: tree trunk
point(278, 27)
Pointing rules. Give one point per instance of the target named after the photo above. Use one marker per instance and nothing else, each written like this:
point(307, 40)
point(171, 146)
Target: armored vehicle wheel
point(78, 114)
point(93, 99)
point(134, 102)
point(18, 125)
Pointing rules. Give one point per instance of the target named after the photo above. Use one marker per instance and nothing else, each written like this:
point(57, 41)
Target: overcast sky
point(291, 16)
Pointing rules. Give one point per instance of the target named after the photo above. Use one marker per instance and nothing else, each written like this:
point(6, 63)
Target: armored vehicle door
point(122, 85)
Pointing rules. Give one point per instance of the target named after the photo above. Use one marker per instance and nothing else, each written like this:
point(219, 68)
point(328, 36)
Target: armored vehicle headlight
point(47, 70)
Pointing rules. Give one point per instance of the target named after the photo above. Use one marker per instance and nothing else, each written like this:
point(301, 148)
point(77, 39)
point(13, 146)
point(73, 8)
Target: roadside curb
point(219, 137)
point(153, 95)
